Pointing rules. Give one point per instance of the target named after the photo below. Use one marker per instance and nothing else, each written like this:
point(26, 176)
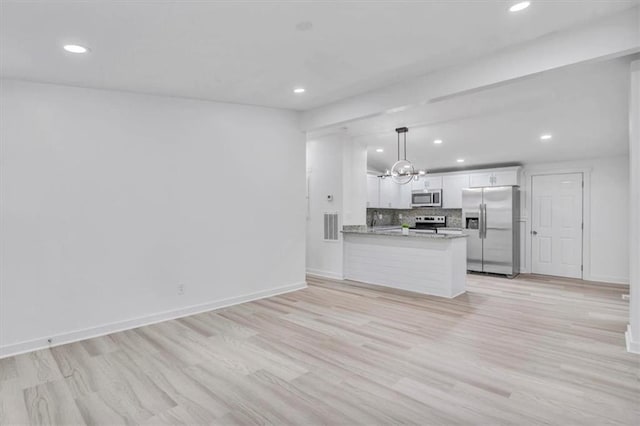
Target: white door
point(556, 225)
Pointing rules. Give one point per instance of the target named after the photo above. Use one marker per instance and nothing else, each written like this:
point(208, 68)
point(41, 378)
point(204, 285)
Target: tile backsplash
point(393, 216)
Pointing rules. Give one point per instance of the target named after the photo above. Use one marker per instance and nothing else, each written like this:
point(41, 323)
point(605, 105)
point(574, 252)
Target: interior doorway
point(557, 224)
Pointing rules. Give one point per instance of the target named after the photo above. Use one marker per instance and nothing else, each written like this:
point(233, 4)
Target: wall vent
point(331, 226)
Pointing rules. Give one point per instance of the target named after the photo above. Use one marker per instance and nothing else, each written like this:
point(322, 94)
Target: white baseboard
point(608, 279)
point(633, 347)
point(457, 294)
point(324, 274)
point(87, 333)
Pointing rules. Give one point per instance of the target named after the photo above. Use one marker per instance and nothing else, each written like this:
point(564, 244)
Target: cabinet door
point(433, 182)
point(504, 178)
point(417, 185)
point(480, 179)
point(373, 191)
point(404, 199)
point(389, 194)
point(452, 187)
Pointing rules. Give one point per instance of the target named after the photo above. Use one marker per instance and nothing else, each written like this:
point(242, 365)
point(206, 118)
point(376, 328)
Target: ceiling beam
point(614, 36)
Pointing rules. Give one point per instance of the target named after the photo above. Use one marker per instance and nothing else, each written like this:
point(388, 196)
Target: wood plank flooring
point(531, 350)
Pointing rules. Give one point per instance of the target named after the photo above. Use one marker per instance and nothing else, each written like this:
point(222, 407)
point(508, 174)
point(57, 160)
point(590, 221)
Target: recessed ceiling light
point(438, 141)
point(545, 137)
point(304, 26)
point(75, 48)
point(519, 6)
point(379, 150)
point(460, 160)
point(298, 90)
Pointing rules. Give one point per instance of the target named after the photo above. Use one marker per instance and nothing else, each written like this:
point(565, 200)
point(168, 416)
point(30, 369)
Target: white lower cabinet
point(452, 187)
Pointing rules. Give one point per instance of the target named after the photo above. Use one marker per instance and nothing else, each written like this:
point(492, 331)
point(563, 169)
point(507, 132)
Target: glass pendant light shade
point(402, 172)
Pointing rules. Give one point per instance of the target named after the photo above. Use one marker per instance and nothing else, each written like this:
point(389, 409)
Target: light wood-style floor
point(524, 351)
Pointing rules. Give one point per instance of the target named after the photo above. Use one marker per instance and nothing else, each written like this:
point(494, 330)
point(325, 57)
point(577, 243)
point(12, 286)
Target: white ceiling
point(251, 52)
point(584, 107)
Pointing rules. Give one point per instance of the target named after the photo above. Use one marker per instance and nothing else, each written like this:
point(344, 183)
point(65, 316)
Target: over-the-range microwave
point(426, 198)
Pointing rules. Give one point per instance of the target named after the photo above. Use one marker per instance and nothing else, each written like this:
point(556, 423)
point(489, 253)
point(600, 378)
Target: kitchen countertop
point(397, 232)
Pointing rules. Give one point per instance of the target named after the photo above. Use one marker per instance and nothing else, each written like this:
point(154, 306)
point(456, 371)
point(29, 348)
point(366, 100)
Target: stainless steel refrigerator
point(489, 218)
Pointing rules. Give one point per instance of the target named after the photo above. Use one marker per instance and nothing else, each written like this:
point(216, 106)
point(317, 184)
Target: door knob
point(534, 232)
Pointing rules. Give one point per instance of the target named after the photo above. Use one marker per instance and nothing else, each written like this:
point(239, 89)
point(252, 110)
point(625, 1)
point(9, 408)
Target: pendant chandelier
point(402, 171)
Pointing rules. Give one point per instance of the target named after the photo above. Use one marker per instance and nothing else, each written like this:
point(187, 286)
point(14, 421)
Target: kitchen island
point(426, 263)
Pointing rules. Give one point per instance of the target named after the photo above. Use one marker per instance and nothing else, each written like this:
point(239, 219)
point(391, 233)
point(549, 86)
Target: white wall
point(110, 200)
point(324, 172)
point(606, 210)
point(633, 335)
point(336, 166)
point(354, 183)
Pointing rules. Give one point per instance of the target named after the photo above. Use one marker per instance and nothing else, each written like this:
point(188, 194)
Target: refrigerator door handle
point(480, 222)
point(484, 221)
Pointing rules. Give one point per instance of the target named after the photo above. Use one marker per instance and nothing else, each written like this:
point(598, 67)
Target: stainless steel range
point(430, 224)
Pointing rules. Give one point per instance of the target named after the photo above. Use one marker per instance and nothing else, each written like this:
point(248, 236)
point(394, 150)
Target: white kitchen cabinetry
point(506, 178)
point(405, 196)
point(373, 191)
point(502, 177)
point(416, 185)
point(389, 194)
point(386, 194)
point(432, 182)
point(480, 179)
point(452, 186)
point(426, 183)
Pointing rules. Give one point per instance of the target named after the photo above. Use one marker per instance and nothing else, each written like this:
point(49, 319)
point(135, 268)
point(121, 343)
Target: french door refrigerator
point(489, 219)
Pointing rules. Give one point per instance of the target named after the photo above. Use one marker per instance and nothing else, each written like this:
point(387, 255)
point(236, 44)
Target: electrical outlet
point(399, 215)
point(380, 216)
point(625, 297)
point(180, 289)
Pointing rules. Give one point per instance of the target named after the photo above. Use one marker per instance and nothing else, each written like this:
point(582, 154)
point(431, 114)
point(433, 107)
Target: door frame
point(526, 216)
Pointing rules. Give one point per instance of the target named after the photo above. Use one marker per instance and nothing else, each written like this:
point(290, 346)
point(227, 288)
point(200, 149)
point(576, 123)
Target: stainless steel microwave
point(426, 198)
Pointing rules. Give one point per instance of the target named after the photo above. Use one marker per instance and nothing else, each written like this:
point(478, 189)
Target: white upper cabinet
point(389, 194)
point(500, 177)
point(416, 185)
point(452, 186)
point(386, 194)
point(506, 178)
point(373, 191)
point(432, 182)
point(480, 179)
point(405, 196)
point(426, 183)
